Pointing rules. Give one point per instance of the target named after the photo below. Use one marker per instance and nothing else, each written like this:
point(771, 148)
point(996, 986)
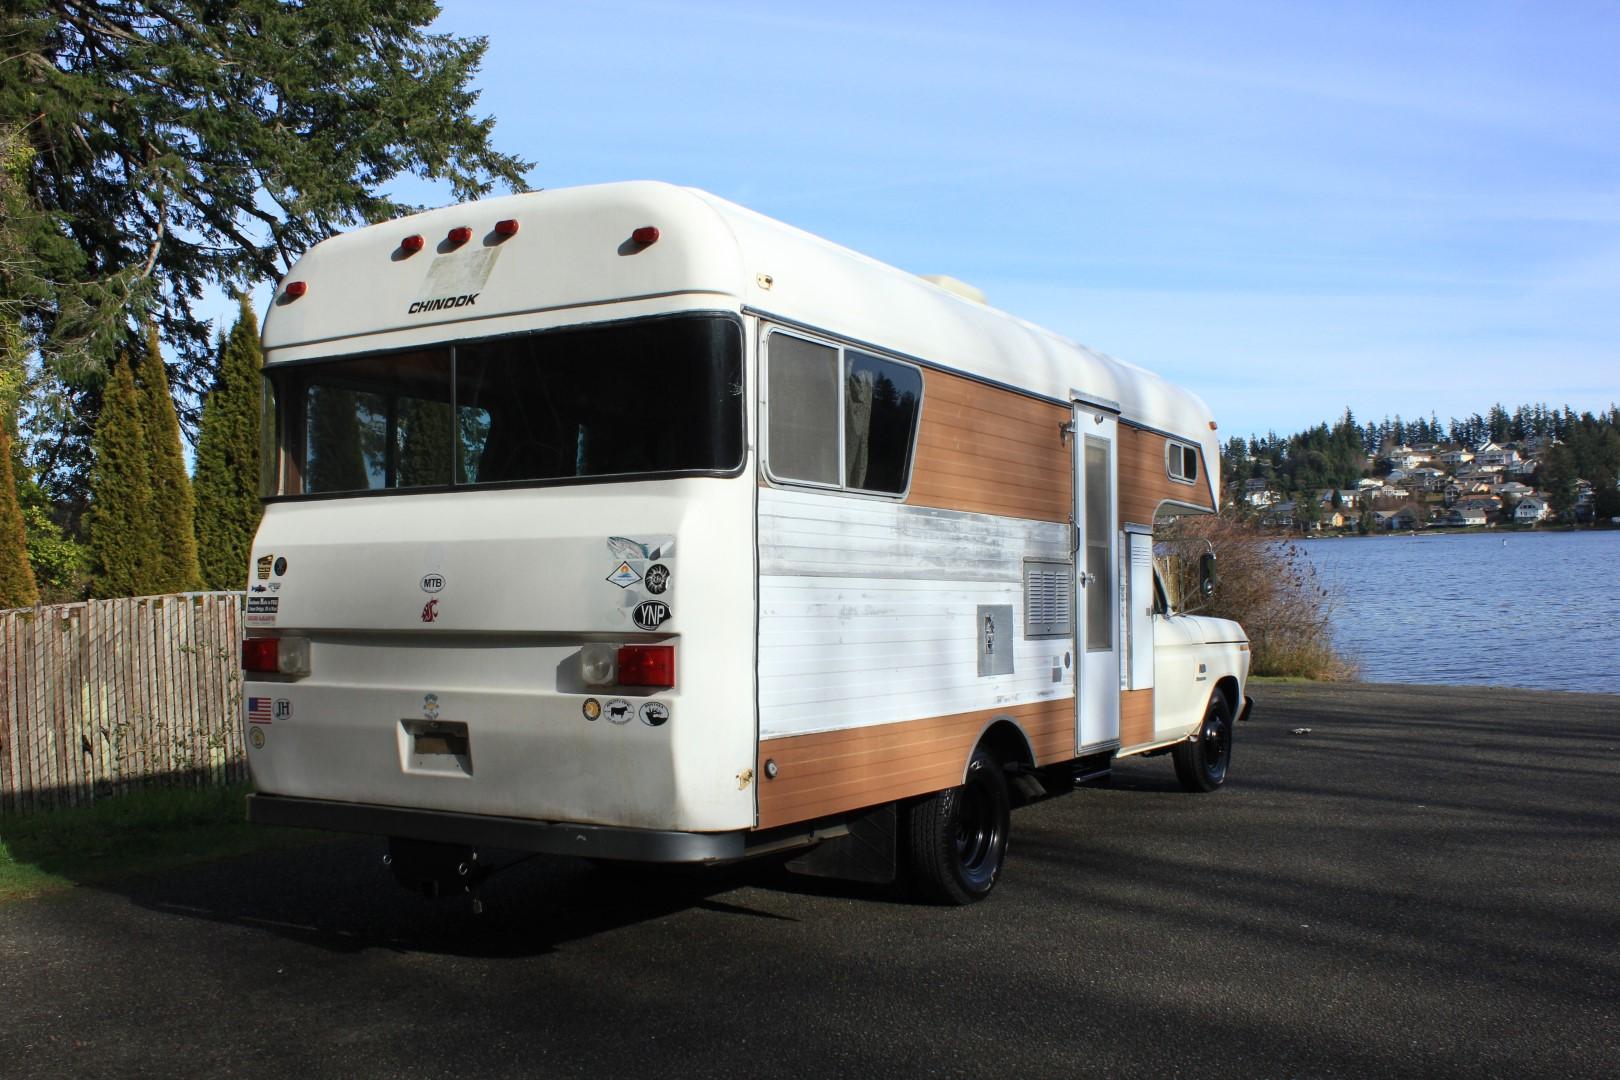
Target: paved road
point(1426, 884)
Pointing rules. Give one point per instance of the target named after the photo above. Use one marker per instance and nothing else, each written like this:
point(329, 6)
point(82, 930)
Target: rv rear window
point(839, 418)
point(629, 399)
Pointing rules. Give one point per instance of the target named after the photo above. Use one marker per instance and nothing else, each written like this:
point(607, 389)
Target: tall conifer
point(173, 523)
point(121, 545)
point(17, 586)
point(228, 459)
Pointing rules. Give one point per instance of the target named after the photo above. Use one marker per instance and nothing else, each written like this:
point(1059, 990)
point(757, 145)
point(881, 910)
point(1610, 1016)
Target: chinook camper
point(623, 522)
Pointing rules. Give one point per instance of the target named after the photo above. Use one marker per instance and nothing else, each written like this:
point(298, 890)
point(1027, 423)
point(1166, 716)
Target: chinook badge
point(464, 300)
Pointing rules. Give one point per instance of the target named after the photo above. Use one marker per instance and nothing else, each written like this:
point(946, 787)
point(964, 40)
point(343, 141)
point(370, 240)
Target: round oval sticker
point(651, 614)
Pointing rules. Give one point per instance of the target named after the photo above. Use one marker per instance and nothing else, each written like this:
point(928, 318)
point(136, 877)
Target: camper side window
point(1182, 462)
point(839, 418)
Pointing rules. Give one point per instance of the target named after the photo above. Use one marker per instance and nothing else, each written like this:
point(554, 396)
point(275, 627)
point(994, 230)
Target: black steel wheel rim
point(1217, 739)
point(978, 830)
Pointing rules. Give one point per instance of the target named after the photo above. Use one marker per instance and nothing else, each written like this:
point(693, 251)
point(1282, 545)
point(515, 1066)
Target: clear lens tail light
point(275, 655)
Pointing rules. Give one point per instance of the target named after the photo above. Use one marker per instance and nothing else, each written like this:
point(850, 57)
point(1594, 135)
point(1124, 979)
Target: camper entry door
point(1096, 583)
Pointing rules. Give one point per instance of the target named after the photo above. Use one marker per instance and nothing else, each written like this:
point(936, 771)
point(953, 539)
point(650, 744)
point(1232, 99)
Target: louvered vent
point(1048, 599)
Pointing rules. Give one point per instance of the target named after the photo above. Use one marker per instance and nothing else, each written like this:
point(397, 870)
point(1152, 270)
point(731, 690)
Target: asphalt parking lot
point(1427, 883)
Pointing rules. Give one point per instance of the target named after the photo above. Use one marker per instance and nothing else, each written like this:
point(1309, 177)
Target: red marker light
point(295, 289)
point(459, 235)
point(647, 234)
point(412, 244)
point(259, 654)
point(647, 665)
point(506, 227)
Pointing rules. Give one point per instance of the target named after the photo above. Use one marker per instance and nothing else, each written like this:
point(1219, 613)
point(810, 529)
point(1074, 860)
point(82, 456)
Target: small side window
point(1182, 462)
point(880, 418)
point(839, 418)
point(804, 406)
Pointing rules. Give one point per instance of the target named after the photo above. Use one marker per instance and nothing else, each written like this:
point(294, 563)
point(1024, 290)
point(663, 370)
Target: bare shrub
point(1267, 585)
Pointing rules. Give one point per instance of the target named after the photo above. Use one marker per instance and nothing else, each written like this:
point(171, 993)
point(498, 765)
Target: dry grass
point(1267, 585)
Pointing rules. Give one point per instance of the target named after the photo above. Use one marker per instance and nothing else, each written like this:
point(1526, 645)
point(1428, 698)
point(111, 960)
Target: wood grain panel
point(986, 450)
point(834, 771)
point(1144, 481)
point(1135, 718)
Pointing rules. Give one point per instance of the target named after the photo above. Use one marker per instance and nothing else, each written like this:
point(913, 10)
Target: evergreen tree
point(167, 146)
point(122, 548)
point(17, 587)
point(228, 459)
point(173, 525)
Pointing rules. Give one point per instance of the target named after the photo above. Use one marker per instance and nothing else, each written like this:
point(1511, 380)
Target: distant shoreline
point(1460, 530)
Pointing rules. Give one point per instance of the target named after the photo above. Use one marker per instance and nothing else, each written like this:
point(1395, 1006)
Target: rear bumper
point(515, 834)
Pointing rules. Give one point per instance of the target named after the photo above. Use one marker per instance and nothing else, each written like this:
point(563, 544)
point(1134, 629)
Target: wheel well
point(1008, 742)
point(1228, 688)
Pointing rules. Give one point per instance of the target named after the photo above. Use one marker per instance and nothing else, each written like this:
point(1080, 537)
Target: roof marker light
point(459, 235)
point(295, 289)
point(647, 234)
point(506, 227)
point(412, 244)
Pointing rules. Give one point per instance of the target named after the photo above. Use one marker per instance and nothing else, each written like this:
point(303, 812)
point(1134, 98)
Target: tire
point(1202, 764)
point(957, 839)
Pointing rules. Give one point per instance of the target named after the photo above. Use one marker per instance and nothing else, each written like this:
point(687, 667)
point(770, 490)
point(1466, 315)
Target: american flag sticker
point(258, 710)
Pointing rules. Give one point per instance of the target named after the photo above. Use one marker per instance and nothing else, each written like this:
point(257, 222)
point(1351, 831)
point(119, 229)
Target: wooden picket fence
point(102, 696)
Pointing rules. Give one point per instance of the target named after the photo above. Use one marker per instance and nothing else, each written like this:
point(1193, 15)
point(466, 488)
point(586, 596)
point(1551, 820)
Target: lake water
point(1541, 610)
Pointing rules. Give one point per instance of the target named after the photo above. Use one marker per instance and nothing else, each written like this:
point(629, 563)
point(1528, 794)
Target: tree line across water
point(1571, 447)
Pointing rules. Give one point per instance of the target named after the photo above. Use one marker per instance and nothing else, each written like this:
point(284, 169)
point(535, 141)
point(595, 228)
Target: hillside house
point(1405, 457)
point(1347, 498)
point(1531, 509)
point(1458, 516)
point(1257, 492)
point(1280, 515)
point(1456, 457)
point(1485, 504)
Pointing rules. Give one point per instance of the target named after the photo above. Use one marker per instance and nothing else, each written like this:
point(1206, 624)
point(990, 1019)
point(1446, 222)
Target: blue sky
point(1289, 208)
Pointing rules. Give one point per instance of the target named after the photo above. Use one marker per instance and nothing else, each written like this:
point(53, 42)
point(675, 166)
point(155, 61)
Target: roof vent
point(952, 285)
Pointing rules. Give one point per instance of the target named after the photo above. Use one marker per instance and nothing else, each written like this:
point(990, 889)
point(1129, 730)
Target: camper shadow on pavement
point(342, 898)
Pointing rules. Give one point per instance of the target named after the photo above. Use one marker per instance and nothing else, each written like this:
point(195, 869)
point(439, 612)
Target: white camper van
point(624, 522)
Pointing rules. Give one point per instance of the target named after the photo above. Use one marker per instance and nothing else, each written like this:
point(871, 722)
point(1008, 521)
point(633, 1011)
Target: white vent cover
point(1048, 599)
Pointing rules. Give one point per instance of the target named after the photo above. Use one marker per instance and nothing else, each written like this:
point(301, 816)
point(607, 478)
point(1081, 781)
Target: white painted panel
point(867, 612)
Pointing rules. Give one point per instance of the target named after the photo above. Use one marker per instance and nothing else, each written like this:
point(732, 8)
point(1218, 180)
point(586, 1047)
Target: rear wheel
point(1201, 764)
point(958, 838)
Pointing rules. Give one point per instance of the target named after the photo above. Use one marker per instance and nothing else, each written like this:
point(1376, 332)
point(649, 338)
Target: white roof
point(572, 261)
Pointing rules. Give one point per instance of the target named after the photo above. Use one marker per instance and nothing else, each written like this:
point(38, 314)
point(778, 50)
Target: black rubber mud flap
point(867, 853)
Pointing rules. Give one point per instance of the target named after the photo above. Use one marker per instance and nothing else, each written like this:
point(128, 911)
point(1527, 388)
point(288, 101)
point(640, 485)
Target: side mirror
point(1206, 574)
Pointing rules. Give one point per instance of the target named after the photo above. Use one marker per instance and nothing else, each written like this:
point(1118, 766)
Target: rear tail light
point(275, 655)
point(647, 665)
